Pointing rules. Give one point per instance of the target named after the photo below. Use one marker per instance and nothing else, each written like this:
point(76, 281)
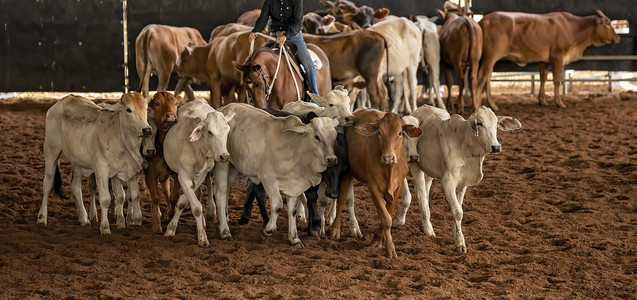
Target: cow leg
point(211, 208)
point(76, 194)
point(276, 204)
point(449, 187)
point(473, 80)
point(314, 220)
point(301, 208)
point(556, 64)
point(150, 177)
point(346, 180)
point(134, 214)
point(222, 188)
point(449, 81)
point(293, 234)
point(541, 95)
point(92, 186)
point(323, 201)
point(354, 229)
point(118, 209)
point(184, 85)
point(484, 75)
point(460, 72)
point(105, 199)
point(384, 228)
point(422, 185)
point(179, 208)
point(215, 98)
point(251, 194)
point(397, 91)
point(145, 78)
point(412, 83)
point(406, 196)
point(51, 171)
point(174, 194)
point(189, 186)
point(377, 92)
point(434, 81)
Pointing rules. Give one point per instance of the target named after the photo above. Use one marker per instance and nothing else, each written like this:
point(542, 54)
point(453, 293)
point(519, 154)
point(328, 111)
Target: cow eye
point(129, 110)
point(331, 105)
point(210, 133)
point(317, 138)
point(156, 103)
point(479, 123)
point(380, 134)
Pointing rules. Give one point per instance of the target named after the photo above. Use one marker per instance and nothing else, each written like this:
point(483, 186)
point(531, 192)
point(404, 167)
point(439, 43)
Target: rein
point(270, 85)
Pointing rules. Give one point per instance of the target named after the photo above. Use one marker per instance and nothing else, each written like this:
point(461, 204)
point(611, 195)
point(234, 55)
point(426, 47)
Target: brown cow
point(249, 17)
point(164, 106)
point(258, 74)
point(311, 23)
point(557, 39)
point(376, 157)
point(355, 53)
point(157, 50)
point(461, 48)
point(228, 29)
point(212, 64)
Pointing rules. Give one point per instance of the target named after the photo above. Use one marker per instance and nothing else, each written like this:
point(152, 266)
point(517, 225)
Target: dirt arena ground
point(555, 217)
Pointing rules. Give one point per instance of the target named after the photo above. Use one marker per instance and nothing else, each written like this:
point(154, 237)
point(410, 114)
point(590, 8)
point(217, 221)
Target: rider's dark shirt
point(286, 16)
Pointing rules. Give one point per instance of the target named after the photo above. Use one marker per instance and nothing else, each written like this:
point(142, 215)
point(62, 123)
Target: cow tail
point(57, 183)
point(145, 58)
point(471, 37)
point(387, 83)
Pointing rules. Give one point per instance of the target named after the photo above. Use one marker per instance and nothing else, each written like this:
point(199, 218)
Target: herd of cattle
point(310, 153)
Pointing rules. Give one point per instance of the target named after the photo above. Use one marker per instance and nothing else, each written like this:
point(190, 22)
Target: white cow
point(283, 154)
point(404, 42)
point(335, 104)
point(191, 147)
point(430, 58)
point(104, 140)
point(452, 149)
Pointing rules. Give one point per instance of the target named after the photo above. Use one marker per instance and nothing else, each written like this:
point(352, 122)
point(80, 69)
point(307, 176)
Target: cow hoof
point(461, 249)
point(85, 222)
point(157, 229)
point(561, 105)
point(243, 221)
point(266, 234)
point(41, 219)
point(203, 242)
point(226, 235)
point(357, 234)
point(397, 223)
point(314, 233)
point(299, 245)
point(392, 254)
point(105, 230)
point(335, 235)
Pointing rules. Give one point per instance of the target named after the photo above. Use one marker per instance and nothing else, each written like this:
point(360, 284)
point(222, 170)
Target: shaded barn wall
point(77, 45)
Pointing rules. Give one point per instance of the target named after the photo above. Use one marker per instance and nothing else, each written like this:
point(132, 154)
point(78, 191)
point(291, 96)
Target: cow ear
point(367, 129)
point(412, 131)
point(441, 13)
point(335, 122)
point(381, 13)
point(346, 8)
point(507, 123)
point(327, 20)
point(229, 117)
point(348, 18)
point(237, 66)
point(187, 51)
point(301, 130)
point(318, 99)
point(327, 4)
point(342, 89)
point(196, 133)
point(110, 109)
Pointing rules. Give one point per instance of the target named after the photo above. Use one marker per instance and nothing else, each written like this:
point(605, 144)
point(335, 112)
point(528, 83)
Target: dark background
point(77, 45)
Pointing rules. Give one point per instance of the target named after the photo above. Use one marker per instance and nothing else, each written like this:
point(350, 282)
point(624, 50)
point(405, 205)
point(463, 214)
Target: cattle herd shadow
point(555, 216)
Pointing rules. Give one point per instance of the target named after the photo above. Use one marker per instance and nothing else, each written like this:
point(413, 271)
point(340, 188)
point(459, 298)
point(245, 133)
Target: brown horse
point(258, 73)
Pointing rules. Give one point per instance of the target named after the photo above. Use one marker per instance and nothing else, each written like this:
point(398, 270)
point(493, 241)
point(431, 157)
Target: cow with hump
point(191, 149)
point(283, 154)
point(101, 140)
point(452, 149)
point(377, 157)
point(554, 39)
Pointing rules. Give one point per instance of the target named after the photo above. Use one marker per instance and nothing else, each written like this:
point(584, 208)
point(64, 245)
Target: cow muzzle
point(496, 148)
point(147, 131)
point(413, 158)
point(388, 159)
point(332, 161)
point(150, 152)
point(349, 121)
point(223, 158)
point(170, 118)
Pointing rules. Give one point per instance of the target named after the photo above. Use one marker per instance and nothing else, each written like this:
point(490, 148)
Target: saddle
point(292, 49)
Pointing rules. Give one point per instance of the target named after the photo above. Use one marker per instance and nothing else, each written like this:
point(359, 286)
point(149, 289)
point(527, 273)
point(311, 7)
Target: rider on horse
point(286, 25)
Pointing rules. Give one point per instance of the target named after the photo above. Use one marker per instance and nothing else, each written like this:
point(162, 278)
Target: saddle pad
point(318, 64)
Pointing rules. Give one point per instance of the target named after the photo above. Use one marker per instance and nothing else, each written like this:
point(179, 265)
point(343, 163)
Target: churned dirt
point(554, 217)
